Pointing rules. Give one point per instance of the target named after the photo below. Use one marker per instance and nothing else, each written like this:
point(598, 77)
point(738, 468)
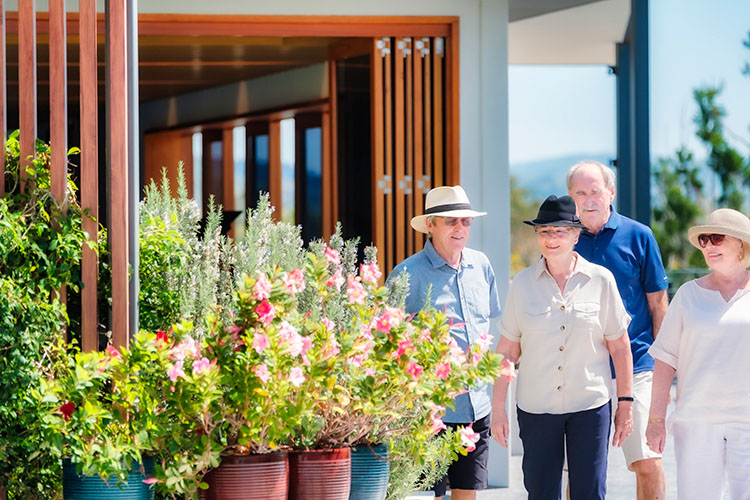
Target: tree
point(524, 250)
point(732, 169)
point(676, 207)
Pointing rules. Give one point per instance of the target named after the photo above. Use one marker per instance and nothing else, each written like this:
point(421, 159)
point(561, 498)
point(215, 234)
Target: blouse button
point(562, 308)
point(562, 327)
point(559, 368)
point(559, 388)
point(562, 348)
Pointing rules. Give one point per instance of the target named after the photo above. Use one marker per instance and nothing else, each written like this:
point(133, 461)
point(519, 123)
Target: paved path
point(620, 481)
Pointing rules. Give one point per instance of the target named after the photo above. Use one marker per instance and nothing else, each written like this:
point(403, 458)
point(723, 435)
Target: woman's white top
point(564, 364)
point(707, 340)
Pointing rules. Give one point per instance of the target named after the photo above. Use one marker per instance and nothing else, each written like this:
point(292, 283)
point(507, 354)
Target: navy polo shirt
point(629, 250)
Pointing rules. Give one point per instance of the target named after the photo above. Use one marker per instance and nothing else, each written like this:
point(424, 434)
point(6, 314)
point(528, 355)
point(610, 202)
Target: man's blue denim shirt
point(469, 296)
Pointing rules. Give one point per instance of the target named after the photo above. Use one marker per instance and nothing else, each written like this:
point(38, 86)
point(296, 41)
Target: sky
point(693, 43)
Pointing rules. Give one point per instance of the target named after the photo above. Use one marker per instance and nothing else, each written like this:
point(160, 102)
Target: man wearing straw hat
point(460, 281)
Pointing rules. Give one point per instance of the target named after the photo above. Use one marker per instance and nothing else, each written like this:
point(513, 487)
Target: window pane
point(198, 169)
point(312, 224)
point(261, 163)
point(287, 171)
point(239, 153)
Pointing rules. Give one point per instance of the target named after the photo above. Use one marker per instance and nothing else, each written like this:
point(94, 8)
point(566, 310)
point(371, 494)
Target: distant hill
point(545, 177)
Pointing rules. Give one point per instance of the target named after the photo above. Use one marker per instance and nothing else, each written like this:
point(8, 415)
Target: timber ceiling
point(172, 65)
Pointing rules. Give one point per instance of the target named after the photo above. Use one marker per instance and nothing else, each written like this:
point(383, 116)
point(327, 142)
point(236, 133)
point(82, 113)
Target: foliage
point(524, 248)
point(676, 207)
point(40, 252)
point(409, 473)
point(732, 170)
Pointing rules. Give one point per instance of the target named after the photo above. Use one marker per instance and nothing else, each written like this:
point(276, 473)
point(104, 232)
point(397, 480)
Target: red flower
point(67, 410)
point(162, 338)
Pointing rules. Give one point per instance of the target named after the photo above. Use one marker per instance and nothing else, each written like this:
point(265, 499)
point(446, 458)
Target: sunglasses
point(715, 239)
point(452, 221)
point(557, 233)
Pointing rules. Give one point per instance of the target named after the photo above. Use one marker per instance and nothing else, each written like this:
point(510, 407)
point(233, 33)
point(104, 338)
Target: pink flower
point(294, 281)
point(414, 369)
point(469, 438)
point(151, 480)
point(306, 344)
point(456, 354)
point(370, 272)
point(435, 416)
point(296, 377)
point(265, 312)
point(187, 348)
point(404, 346)
point(113, 352)
point(260, 342)
point(176, 371)
point(508, 369)
point(261, 371)
point(475, 357)
point(328, 324)
point(201, 366)
point(356, 361)
point(425, 335)
point(336, 280)
point(289, 335)
point(437, 425)
point(369, 372)
point(443, 370)
point(355, 290)
point(262, 287)
point(333, 256)
point(484, 341)
point(390, 319)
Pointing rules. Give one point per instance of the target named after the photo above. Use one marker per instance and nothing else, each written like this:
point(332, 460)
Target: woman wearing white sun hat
point(705, 341)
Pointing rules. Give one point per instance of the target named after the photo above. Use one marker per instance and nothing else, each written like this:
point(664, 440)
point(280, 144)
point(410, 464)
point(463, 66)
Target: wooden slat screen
point(59, 25)
point(414, 123)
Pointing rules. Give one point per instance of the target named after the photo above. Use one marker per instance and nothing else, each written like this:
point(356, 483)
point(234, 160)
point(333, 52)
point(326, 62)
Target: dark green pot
point(80, 487)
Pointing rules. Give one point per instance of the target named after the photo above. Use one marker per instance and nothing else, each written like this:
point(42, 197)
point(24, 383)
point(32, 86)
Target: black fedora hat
point(556, 211)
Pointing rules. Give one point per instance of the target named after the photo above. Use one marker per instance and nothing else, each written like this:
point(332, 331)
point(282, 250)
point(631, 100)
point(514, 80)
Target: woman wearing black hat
point(565, 316)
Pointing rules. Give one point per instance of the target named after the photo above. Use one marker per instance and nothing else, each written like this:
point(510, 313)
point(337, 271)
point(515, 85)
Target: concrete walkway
point(620, 481)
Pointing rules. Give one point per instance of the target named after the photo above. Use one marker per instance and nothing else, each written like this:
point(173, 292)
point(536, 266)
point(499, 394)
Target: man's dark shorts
point(468, 472)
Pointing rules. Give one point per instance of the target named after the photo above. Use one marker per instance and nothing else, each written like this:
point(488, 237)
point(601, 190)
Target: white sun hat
point(444, 201)
point(722, 221)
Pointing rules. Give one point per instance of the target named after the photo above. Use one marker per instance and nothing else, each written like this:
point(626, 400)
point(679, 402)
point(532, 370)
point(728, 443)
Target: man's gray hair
point(607, 173)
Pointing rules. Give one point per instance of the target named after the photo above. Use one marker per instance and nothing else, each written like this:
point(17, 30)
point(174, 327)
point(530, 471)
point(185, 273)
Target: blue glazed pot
point(370, 472)
point(80, 487)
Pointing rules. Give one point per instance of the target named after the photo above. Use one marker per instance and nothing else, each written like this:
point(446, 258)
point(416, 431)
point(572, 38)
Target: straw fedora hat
point(444, 201)
point(722, 221)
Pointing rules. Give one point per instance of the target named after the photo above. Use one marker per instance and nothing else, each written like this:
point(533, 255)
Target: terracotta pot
point(320, 474)
point(370, 472)
point(79, 487)
point(252, 477)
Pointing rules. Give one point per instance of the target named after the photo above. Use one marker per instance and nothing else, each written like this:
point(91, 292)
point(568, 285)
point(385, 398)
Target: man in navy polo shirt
point(629, 250)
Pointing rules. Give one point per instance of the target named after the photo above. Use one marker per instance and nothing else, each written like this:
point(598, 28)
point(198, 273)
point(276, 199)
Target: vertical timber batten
point(117, 153)
point(58, 99)
point(27, 91)
point(89, 141)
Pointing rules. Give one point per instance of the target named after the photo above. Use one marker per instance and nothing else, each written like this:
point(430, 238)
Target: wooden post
point(89, 96)
point(27, 75)
point(117, 148)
